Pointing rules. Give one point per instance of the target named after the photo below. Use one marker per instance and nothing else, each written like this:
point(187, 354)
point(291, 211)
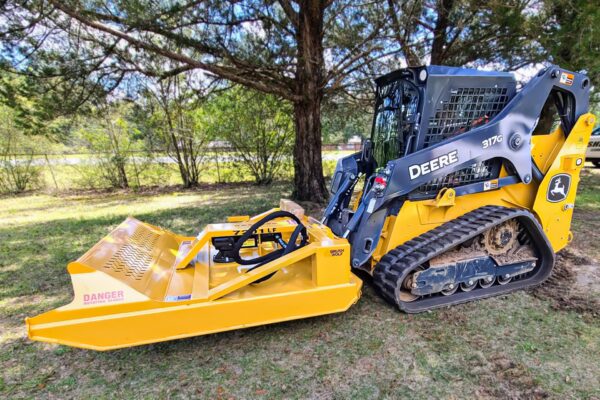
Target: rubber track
point(393, 268)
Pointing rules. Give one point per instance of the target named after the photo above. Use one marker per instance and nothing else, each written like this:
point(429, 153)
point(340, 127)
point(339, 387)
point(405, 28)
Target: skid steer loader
point(465, 190)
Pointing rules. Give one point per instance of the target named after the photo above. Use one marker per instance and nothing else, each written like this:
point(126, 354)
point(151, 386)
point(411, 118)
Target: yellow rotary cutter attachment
point(143, 284)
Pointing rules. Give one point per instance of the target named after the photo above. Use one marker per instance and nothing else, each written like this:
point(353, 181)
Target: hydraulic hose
point(291, 245)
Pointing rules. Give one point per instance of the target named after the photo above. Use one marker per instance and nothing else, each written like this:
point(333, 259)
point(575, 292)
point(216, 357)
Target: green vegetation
point(259, 128)
point(317, 57)
point(170, 138)
point(524, 345)
point(83, 174)
point(17, 173)
point(176, 106)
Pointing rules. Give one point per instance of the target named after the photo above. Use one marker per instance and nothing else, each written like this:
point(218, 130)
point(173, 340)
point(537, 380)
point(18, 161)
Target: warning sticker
point(490, 185)
point(566, 78)
point(103, 297)
point(178, 298)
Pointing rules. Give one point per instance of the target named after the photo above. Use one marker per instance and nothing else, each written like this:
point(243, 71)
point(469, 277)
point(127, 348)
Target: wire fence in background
point(327, 147)
point(83, 169)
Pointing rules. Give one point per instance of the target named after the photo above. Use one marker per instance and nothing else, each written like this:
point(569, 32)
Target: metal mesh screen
point(466, 109)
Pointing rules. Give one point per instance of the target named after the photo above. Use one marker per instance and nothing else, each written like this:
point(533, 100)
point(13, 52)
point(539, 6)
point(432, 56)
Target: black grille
point(478, 172)
point(466, 109)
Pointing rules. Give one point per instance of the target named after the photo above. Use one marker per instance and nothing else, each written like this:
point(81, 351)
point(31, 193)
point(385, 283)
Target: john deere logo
point(558, 188)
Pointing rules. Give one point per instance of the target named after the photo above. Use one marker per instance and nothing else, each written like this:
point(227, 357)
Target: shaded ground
point(539, 344)
point(573, 285)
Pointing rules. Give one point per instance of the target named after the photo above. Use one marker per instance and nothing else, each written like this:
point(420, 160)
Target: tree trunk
point(438, 47)
point(309, 183)
point(123, 175)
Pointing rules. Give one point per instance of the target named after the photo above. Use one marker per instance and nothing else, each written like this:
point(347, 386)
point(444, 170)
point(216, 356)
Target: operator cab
point(418, 108)
point(396, 117)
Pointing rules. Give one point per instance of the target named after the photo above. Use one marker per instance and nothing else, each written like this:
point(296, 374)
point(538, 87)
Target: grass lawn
point(535, 344)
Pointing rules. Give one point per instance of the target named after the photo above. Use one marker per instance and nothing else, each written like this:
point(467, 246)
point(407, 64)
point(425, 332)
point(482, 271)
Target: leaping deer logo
point(559, 188)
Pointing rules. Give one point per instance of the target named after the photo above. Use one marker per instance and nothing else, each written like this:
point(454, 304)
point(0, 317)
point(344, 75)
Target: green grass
point(515, 346)
point(588, 195)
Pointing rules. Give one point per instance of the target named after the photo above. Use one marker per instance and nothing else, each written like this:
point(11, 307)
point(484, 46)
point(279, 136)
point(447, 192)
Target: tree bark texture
point(309, 183)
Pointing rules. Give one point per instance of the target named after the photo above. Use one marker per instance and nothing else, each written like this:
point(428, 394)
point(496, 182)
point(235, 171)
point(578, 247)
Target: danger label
point(103, 297)
point(566, 78)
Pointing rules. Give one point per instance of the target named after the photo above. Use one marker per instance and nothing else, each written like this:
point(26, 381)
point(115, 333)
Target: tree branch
point(411, 57)
point(244, 78)
point(289, 12)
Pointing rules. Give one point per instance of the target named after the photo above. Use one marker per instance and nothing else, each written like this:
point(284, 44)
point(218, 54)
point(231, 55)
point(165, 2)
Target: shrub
point(258, 127)
point(118, 155)
point(173, 124)
point(18, 171)
point(18, 174)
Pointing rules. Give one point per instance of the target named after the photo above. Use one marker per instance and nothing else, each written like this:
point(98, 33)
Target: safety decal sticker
point(371, 205)
point(490, 185)
point(566, 78)
point(103, 297)
point(178, 298)
point(558, 189)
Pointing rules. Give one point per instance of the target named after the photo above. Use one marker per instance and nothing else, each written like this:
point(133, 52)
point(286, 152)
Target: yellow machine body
point(552, 153)
point(143, 284)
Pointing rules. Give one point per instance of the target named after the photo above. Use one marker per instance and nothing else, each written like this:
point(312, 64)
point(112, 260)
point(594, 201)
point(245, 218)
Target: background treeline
point(170, 135)
point(167, 80)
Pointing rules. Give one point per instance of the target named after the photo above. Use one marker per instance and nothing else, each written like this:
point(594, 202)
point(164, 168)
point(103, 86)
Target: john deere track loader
point(466, 190)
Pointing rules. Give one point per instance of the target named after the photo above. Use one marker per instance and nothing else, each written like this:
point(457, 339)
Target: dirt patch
point(513, 380)
point(574, 284)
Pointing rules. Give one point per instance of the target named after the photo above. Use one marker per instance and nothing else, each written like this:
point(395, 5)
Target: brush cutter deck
point(143, 284)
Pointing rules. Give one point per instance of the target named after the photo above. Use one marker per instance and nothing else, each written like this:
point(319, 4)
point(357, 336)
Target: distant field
point(74, 172)
point(535, 344)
